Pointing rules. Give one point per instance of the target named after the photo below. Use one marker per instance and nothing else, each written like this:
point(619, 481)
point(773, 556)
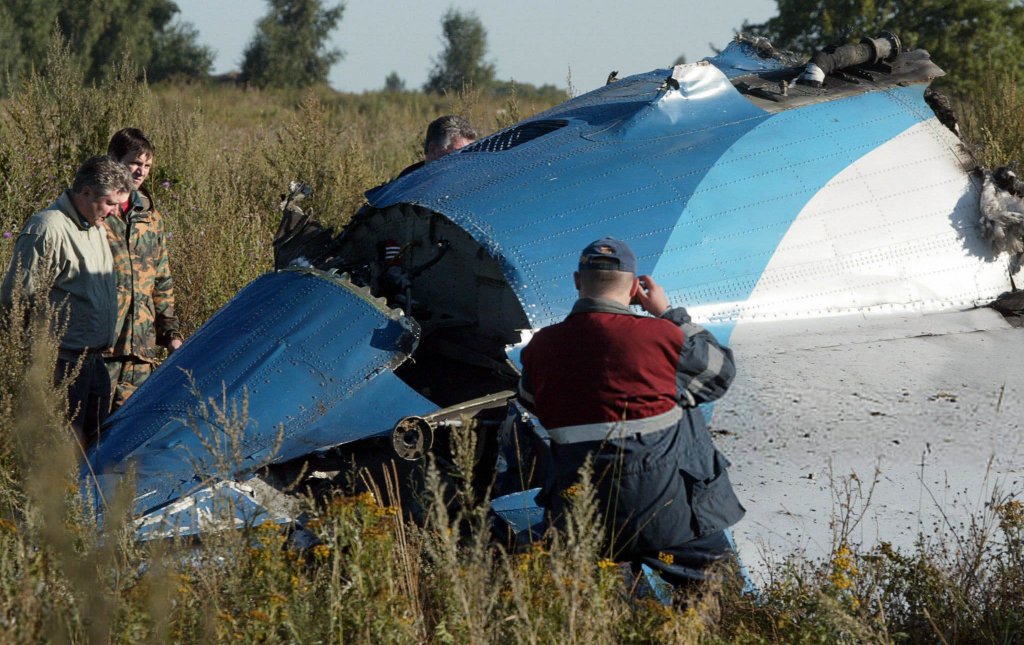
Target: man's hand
point(651, 296)
point(173, 345)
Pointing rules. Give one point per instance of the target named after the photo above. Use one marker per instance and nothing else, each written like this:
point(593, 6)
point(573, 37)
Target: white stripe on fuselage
point(894, 231)
point(905, 402)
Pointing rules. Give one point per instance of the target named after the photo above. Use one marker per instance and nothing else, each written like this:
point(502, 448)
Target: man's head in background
point(447, 134)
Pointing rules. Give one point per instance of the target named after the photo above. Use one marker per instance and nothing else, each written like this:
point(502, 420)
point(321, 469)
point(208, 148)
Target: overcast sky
point(530, 41)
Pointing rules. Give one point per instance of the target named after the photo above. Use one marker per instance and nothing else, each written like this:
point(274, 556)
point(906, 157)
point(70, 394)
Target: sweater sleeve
point(167, 325)
point(525, 387)
point(705, 367)
point(33, 266)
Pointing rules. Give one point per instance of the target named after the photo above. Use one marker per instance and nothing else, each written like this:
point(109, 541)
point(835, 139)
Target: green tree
point(290, 46)
point(10, 54)
point(394, 83)
point(177, 53)
point(25, 28)
point(462, 61)
point(139, 32)
point(966, 38)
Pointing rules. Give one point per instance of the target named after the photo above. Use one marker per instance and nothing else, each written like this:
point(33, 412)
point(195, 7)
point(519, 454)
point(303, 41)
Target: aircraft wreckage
point(821, 219)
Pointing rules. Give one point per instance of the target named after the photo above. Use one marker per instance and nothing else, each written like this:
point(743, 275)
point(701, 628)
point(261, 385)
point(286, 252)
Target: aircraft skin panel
point(746, 204)
point(741, 59)
point(536, 204)
point(311, 355)
point(934, 401)
point(891, 232)
point(691, 114)
point(704, 207)
point(612, 103)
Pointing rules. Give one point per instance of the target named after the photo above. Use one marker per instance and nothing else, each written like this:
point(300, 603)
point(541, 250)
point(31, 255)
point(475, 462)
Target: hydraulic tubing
point(868, 50)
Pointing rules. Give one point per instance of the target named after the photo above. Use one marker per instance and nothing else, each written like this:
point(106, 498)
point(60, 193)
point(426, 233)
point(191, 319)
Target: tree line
point(970, 39)
point(100, 34)
point(290, 47)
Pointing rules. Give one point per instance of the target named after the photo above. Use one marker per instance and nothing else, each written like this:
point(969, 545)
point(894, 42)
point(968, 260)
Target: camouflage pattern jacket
point(145, 293)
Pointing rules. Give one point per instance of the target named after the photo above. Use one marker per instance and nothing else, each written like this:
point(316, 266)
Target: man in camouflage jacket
point(145, 292)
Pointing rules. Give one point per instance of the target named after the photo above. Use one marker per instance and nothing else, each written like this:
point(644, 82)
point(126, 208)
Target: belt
point(72, 355)
point(616, 429)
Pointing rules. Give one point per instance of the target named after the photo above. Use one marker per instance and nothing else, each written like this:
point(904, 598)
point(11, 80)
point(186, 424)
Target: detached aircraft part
point(830, 234)
point(413, 437)
point(311, 354)
point(762, 205)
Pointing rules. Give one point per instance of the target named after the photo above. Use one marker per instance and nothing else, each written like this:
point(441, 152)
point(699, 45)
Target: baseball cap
point(608, 254)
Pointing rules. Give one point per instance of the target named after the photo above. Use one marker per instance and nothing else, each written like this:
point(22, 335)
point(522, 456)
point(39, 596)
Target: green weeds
point(993, 121)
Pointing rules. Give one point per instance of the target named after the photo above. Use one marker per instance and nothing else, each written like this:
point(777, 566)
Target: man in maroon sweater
point(623, 389)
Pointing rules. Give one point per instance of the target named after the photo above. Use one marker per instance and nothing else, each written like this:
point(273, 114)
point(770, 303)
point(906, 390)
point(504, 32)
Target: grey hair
point(104, 176)
point(443, 129)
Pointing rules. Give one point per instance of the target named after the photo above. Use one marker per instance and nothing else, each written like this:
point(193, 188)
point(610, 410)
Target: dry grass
point(224, 155)
point(994, 122)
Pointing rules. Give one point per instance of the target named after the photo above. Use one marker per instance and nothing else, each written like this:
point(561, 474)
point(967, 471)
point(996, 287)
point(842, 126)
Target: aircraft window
point(516, 136)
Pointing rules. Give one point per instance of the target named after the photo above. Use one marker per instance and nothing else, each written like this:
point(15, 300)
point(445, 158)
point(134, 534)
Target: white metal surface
point(933, 401)
point(880, 237)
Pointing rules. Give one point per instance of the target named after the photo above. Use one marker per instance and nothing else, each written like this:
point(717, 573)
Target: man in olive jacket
point(145, 291)
point(64, 249)
point(623, 389)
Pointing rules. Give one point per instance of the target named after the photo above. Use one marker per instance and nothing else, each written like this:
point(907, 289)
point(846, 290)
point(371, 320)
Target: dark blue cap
point(608, 254)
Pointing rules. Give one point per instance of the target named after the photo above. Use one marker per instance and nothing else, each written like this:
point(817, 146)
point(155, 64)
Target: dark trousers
point(684, 565)
point(88, 394)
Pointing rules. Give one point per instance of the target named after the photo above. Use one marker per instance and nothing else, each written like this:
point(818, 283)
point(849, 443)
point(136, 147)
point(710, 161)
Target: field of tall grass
point(225, 155)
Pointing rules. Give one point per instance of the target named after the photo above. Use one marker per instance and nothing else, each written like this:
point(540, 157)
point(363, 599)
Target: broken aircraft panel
point(310, 355)
point(839, 221)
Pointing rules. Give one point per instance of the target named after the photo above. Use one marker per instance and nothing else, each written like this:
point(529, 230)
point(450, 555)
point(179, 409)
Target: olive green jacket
point(145, 292)
point(57, 244)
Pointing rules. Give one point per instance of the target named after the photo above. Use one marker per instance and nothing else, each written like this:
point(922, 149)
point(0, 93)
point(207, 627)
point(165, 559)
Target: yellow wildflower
point(1011, 514)
point(843, 568)
point(843, 560)
point(321, 552)
point(267, 527)
point(840, 580)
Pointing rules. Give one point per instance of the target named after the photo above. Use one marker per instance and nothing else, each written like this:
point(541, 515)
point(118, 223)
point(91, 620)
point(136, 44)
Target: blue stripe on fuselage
point(703, 206)
point(743, 207)
point(536, 205)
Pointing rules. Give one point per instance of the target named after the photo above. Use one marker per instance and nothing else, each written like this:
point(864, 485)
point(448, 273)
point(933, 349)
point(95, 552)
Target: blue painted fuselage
point(711, 189)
